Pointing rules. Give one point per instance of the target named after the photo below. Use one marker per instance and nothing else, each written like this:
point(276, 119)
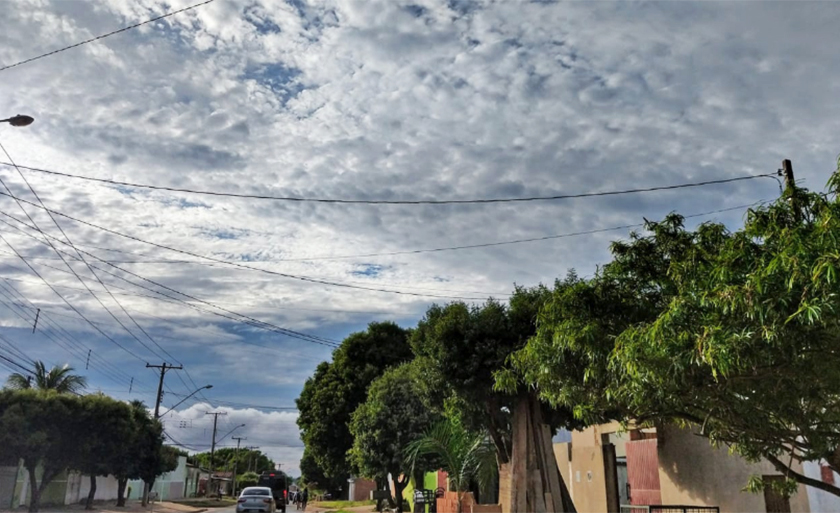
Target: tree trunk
point(34, 491)
point(121, 483)
point(91, 493)
point(144, 499)
point(535, 481)
point(399, 486)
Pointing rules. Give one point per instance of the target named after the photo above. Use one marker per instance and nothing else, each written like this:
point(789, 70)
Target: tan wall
point(362, 488)
point(693, 472)
point(584, 472)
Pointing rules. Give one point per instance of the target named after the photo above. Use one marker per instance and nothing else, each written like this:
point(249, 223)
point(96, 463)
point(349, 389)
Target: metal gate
point(643, 472)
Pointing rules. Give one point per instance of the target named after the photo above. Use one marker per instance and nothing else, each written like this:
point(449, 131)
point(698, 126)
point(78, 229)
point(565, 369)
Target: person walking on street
point(305, 497)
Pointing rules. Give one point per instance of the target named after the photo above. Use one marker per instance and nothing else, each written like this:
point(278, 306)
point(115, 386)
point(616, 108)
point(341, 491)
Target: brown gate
point(643, 472)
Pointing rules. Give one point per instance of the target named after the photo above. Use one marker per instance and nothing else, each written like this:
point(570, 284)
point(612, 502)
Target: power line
point(505, 242)
point(235, 264)
point(115, 375)
point(250, 320)
point(103, 36)
point(80, 257)
point(399, 202)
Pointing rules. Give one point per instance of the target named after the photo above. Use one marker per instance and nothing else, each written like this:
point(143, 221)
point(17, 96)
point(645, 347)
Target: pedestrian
point(305, 497)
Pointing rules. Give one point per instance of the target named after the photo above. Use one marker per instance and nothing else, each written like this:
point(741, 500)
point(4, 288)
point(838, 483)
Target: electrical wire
point(80, 257)
point(507, 242)
point(103, 36)
point(250, 320)
point(108, 370)
point(243, 266)
point(400, 202)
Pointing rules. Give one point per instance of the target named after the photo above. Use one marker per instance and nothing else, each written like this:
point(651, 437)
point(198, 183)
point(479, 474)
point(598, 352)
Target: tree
point(60, 379)
point(464, 347)
point(330, 397)
point(152, 458)
point(465, 456)
point(109, 428)
point(223, 459)
point(247, 479)
point(732, 332)
point(313, 476)
point(41, 428)
point(384, 425)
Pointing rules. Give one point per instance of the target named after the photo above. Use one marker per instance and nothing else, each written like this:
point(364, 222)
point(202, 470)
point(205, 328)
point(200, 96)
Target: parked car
point(255, 499)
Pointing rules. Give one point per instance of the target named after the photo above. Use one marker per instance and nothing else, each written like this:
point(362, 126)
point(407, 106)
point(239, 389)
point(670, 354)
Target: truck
point(278, 483)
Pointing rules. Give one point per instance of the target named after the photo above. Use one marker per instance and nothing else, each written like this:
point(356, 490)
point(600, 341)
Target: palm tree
point(59, 379)
point(465, 456)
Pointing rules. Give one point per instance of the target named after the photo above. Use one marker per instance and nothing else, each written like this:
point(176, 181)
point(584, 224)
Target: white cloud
point(362, 99)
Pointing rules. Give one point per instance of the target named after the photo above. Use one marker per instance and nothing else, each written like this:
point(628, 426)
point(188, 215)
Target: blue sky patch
point(369, 270)
point(281, 79)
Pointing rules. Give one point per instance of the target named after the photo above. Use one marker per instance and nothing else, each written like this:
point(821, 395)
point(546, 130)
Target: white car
point(256, 499)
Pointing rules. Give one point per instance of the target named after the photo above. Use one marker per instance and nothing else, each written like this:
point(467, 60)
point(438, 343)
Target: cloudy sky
point(375, 100)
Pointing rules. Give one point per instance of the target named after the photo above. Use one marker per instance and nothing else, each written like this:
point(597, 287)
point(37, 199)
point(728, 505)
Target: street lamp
point(19, 120)
point(229, 432)
point(205, 387)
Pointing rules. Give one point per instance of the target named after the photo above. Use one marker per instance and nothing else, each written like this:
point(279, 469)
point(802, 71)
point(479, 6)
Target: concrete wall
point(819, 500)
point(359, 488)
point(581, 465)
point(693, 472)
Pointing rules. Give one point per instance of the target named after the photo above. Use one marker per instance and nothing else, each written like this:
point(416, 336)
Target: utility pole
point(215, 415)
point(236, 459)
point(251, 450)
point(790, 187)
point(163, 368)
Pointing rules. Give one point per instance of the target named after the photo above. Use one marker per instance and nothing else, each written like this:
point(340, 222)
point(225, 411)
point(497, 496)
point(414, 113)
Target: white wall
point(819, 500)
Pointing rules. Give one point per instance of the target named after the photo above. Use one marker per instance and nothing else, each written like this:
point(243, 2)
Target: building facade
point(609, 470)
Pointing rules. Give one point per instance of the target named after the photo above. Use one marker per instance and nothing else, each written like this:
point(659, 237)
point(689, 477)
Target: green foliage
point(461, 349)
point(60, 379)
point(94, 434)
point(225, 456)
point(330, 397)
point(466, 456)
point(247, 479)
point(393, 416)
point(734, 332)
point(42, 428)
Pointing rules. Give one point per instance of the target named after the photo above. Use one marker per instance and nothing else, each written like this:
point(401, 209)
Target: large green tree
point(393, 416)
point(60, 379)
point(330, 397)
point(464, 347)
point(109, 429)
point(734, 332)
point(42, 428)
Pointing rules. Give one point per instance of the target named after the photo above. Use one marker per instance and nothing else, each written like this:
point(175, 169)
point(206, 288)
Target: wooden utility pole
point(163, 368)
point(787, 172)
point(236, 459)
point(215, 415)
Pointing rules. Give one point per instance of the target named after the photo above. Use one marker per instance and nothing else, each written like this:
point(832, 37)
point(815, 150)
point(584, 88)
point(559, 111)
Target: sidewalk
point(111, 507)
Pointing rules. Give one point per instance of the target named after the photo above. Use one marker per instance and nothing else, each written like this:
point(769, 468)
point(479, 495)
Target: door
point(775, 502)
point(643, 472)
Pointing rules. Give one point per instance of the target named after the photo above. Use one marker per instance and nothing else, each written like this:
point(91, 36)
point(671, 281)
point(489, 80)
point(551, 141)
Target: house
point(358, 488)
point(609, 470)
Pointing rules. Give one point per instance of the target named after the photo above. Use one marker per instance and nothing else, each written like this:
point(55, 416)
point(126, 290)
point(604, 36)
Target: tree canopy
point(60, 379)
point(463, 348)
point(393, 416)
point(330, 397)
point(734, 332)
point(94, 434)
